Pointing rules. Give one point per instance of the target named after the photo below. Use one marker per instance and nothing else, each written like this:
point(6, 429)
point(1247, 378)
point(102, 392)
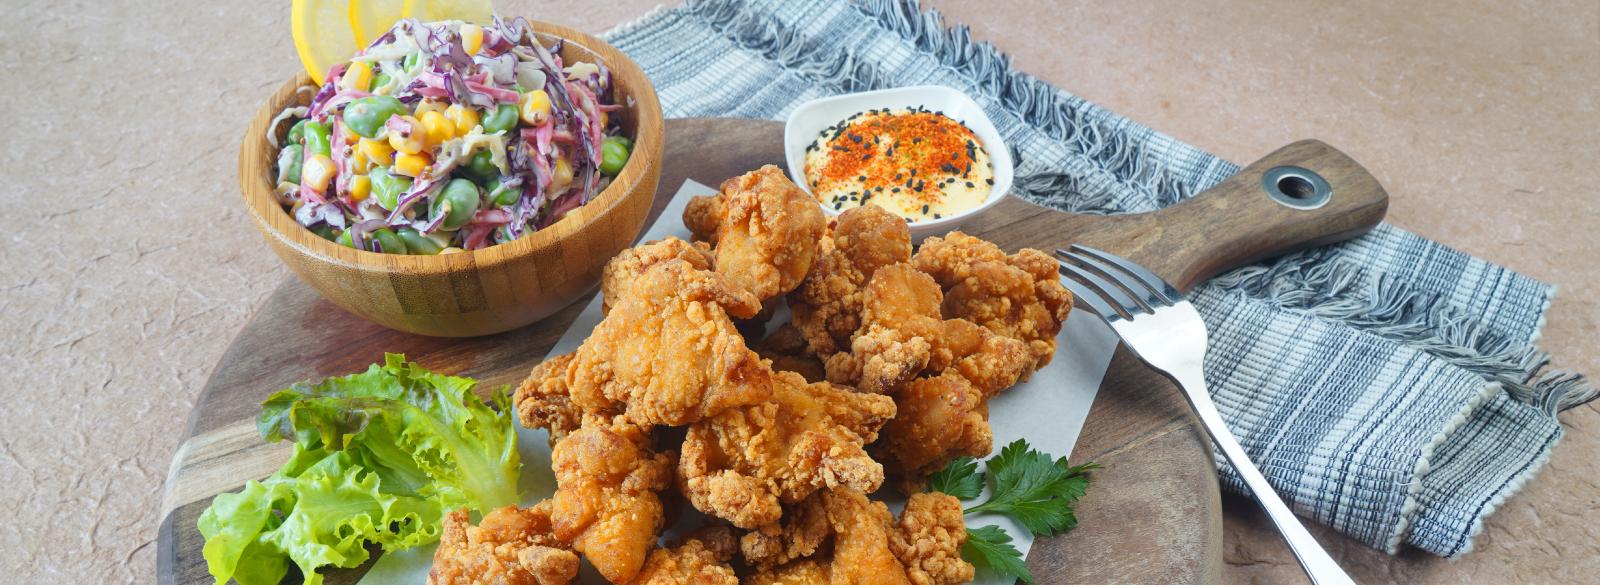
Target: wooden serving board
point(1153, 515)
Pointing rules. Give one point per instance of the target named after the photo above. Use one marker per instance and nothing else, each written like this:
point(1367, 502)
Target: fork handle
point(1302, 195)
point(1320, 567)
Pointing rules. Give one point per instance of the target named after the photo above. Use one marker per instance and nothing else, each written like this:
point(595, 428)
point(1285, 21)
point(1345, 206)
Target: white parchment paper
point(1048, 410)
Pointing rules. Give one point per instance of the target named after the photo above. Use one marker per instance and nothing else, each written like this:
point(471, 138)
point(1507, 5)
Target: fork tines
point(1112, 286)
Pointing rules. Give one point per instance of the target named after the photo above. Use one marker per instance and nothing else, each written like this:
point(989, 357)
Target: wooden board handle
point(1302, 195)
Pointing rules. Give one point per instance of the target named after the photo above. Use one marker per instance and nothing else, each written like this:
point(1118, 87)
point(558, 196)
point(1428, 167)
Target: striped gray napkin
point(1388, 387)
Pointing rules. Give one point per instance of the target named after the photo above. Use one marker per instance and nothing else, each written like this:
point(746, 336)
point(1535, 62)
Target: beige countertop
point(130, 263)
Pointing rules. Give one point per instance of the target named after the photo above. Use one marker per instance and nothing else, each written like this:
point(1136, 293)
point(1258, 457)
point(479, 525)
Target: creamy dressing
point(918, 164)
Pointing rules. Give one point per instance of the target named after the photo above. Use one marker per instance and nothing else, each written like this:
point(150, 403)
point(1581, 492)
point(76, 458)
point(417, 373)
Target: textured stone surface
point(129, 262)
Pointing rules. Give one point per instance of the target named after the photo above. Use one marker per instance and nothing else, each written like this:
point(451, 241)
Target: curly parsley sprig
point(1029, 486)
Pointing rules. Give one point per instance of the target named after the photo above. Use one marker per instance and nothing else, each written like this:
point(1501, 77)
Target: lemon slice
point(371, 18)
point(479, 11)
point(322, 35)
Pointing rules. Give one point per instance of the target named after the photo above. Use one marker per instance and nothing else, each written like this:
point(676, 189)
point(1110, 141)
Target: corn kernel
point(360, 188)
point(436, 129)
point(409, 142)
point(561, 175)
point(316, 172)
point(535, 107)
point(411, 164)
point(465, 118)
point(376, 151)
point(429, 105)
point(471, 38)
point(358, 77)
point(359, 162)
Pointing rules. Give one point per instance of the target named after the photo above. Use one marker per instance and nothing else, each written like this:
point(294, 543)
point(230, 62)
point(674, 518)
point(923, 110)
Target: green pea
point(345, 239)
point(613, 156)
point(503, 195)
point(379, 80)
point(297, 132)
point(366, 116)
point(480, 166)
point(624, 140)
point(502, 119)
point(388, 242)
point(289, 160)
point(317, 139)
point(418, 244)
point(458, 201)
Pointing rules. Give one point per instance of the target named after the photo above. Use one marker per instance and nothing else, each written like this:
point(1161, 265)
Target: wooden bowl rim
point(277, 223)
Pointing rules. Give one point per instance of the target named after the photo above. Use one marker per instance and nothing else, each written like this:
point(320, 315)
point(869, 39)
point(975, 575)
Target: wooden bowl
point(484, 291)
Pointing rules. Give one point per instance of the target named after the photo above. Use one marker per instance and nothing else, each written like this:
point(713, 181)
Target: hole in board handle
point(1296, 187)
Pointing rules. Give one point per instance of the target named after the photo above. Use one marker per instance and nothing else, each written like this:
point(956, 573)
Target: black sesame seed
point(856, 138)
point(970, 185)
point(936, 216)
point(924, 209)
point(989, 181)
point(895, 190)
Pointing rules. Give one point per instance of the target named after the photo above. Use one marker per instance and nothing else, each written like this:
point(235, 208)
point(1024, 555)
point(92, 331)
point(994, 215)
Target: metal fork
point(1165, 331)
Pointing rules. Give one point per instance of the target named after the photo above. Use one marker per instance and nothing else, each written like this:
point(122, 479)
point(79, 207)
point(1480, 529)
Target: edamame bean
point(388, 242)
point(481, 166)
point(418, 244)
point(317, 139)
point(365, 116)
point(613, 156)
point(503, 195)
point(324, 230)
point(502, 119)
point(297, 132)
point(387, 188)
point(289, 160)
point(459, 201)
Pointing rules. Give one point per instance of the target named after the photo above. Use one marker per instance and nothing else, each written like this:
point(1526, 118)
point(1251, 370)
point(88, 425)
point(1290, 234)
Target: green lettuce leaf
point(378, 458)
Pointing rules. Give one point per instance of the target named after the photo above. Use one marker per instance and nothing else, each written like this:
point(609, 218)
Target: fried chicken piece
point(798, 534)
point(827, 306)
point(701, 559)
point(787, 350)
point(621, 271)
point(1019, 296)
point(741, 464)
point(512, 546)
point(542, 400)
point(668, 352)
point(861, 550)
point(903, 335)
point(606, 502)
point(929, 539)
point(765, 230)
point(939, 419)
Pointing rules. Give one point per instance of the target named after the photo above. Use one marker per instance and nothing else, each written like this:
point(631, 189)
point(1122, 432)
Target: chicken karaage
point(928, 542)
point(701, 559)
point(826, 307)
point(742, 463)
point(1019, 296)
point(764, 229)
point(606, 502)
point(512, 546)
point(616, 279)
point(668, 352)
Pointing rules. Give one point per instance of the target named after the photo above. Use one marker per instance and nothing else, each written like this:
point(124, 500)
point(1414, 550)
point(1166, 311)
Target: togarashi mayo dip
point(916, 163)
